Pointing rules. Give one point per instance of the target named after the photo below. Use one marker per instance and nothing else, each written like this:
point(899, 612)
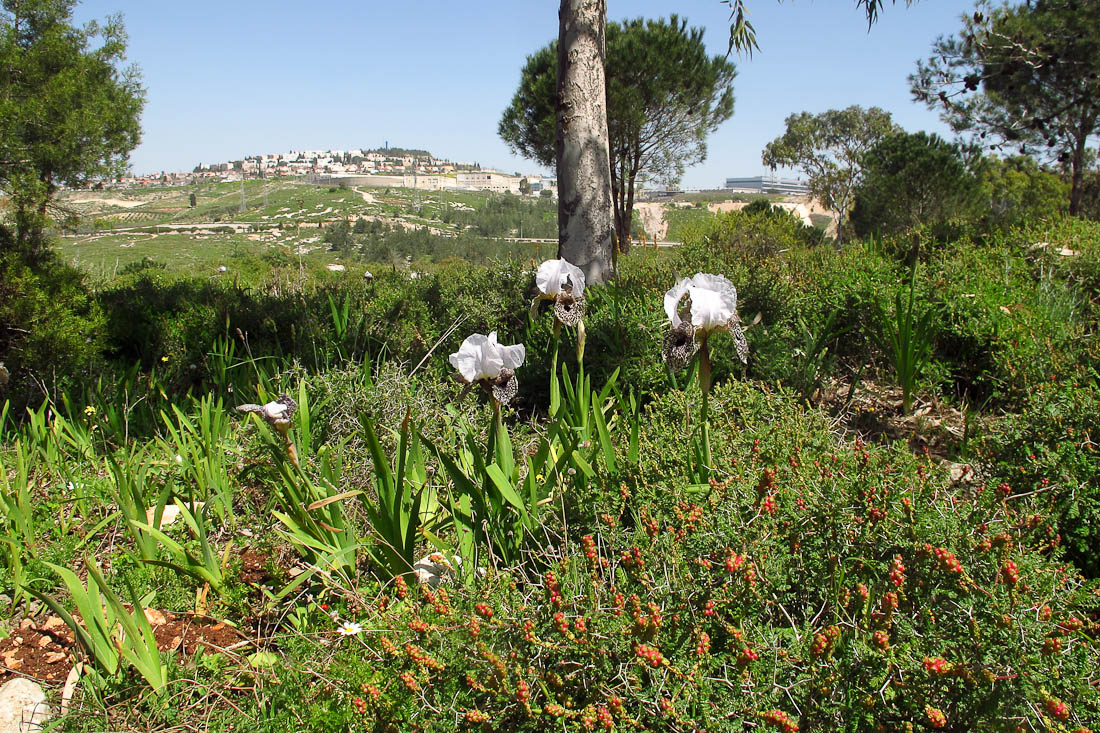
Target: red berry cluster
point(400, 587)
point(1071, 625)
point(484, 610)
point(420, 627)
point(551, 582)
point(523, 692)
point(632, 558)
point(824, 642)
point(947, 561)
point(589, 546)
point(780, 720)
point(750, 577)
point(734, 561)
point(702, 644)
point(1057, 708)
point(476, 717)
point(438, 601)
point(938, 665)
point(619, 601)
point(747, 655)
point(689, 515)
point(935, 717)
point(881, 640)
point(649, 655)
point(767, 481)
point(1010, 573)
point(897, 571)
point(422, 658)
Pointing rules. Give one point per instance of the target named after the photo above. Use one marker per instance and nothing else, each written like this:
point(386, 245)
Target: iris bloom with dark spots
point(697, 307)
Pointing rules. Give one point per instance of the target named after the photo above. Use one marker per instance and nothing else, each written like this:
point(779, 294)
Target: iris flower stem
point(493, 449)
point(704, 387)
point(554, 388)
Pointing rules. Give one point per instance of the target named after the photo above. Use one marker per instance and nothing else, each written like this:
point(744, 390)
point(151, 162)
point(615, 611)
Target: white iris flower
point(482, 360)
point(711, 306)
point(562, 283)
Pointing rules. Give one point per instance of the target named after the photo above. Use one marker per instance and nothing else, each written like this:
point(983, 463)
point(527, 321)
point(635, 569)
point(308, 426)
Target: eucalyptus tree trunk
point(583, 159)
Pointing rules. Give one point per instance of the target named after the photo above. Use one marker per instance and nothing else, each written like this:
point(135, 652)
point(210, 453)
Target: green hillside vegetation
point(833, 544)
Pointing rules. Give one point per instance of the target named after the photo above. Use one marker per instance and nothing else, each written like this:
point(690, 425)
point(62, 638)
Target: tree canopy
point(829, 148)
point(1024, 76)
point(911, 180)
point(664, 96)
point(68, 110)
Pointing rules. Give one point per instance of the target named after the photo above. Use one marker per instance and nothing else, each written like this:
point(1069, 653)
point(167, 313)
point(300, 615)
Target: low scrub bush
point(817, 586)
point(1045, 459)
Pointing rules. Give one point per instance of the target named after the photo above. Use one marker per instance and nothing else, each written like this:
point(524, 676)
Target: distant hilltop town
point(379, 167)
point(405, 168)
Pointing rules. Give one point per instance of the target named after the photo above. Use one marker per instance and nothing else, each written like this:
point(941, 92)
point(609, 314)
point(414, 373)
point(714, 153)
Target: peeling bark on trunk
point(583, 159)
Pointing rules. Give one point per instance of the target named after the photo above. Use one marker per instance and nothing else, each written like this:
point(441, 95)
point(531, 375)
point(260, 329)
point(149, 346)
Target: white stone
point(434, 569)
point(23, 707)
point(335, 268)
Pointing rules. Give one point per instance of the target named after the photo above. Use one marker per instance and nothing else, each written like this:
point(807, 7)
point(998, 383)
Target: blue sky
point(239, 77)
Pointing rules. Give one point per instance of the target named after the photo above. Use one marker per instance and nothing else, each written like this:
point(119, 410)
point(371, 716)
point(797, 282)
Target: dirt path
point(366, 196)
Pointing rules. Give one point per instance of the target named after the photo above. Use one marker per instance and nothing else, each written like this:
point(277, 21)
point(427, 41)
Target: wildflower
point(481, 360)
point(563, 283)
point(712, 307)
point(350, 628)
point(89, 411)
